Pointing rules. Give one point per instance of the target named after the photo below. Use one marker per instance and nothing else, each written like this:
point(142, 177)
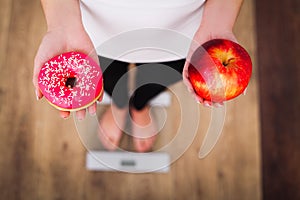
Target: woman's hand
point(217, 22)
point(203, 35)
point(59, 40)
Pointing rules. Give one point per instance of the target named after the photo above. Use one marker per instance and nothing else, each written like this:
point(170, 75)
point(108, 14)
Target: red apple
point(219, 70)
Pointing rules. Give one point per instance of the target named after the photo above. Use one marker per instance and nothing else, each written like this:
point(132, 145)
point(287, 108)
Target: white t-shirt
point(142, 30)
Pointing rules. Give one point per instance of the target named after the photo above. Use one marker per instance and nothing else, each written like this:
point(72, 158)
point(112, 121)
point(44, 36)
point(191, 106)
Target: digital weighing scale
point(99, 159)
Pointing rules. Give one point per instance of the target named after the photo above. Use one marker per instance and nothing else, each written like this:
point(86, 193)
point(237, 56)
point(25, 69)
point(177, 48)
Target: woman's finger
point(92, 109)
point(80, 114)
point(64, 114)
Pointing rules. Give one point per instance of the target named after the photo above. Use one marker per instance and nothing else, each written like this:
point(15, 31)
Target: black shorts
point(150, 80)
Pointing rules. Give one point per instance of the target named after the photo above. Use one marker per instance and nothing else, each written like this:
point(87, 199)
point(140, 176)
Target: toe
point(110, 132)
point(109, 142)
point(143, 144)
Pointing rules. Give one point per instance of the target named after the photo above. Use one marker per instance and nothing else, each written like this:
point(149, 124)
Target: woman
point(103, 27)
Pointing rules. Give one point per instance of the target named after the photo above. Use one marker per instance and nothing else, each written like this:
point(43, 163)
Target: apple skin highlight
point(219, 70)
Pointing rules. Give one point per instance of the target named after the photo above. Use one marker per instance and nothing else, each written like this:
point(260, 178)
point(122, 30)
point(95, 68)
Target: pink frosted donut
point(71, 81)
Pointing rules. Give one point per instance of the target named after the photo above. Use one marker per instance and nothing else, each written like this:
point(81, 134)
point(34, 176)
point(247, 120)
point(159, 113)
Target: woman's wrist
point(220, 16)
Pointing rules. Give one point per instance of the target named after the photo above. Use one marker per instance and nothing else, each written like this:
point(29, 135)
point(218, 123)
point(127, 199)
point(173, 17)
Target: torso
point(140, 30)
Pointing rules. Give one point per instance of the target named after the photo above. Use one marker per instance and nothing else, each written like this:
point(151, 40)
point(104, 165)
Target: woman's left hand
point(203, 35)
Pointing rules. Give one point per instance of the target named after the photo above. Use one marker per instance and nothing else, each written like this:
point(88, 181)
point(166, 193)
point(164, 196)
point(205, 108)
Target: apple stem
point(226, 62)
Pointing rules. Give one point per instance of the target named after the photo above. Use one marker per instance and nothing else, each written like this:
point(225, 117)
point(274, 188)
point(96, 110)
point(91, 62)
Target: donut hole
point(71, 82)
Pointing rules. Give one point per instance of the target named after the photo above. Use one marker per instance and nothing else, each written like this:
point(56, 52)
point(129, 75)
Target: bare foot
point(144, 129)
point(111, 127)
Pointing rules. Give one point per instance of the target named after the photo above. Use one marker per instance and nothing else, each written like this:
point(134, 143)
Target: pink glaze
point(76, 68)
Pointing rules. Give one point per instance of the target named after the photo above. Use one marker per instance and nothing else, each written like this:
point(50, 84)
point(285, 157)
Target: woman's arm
point(218, 20)
point(220, 15)
point(65, 32)
point(60, 13)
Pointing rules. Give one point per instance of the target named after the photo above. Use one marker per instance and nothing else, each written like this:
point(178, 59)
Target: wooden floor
point(278, 31)
point(42, 157)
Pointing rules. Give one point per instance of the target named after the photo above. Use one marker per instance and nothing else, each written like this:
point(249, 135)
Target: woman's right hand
point(59, 40)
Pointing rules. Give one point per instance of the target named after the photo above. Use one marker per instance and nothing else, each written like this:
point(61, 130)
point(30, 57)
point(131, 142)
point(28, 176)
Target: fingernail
point(218, 105)
point(92, 110)
point(245, 92)
point(93, 113)
point(64, 115)
point(81, 116)
point(37, 95)
point(199, 101)
point(206, 104)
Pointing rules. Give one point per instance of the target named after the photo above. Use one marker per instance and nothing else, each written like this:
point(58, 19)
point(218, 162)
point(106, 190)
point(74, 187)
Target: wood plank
point(278, 28)
point(5, 15)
